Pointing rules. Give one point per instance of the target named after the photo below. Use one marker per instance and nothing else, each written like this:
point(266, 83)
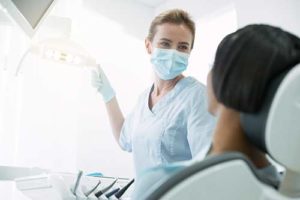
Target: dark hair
point(247, 60)
point(174, 16)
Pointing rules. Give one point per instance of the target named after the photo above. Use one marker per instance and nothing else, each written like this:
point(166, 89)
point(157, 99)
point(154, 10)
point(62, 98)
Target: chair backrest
point(275, 129)
point(226, 176)
point(283, 125)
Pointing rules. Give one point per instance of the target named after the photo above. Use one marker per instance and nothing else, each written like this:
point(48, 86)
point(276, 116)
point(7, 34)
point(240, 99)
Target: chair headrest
point(275, 129)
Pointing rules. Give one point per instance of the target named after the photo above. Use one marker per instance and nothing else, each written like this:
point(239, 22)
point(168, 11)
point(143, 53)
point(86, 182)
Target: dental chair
point(275, 129)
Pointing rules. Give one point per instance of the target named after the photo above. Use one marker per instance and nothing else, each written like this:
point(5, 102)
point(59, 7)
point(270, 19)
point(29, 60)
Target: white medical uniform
point(177, 127)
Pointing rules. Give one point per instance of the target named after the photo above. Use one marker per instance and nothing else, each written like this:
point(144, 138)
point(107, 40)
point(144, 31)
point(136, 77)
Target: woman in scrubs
point(170, 121)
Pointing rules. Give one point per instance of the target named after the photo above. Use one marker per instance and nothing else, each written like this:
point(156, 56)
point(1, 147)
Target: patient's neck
point(229, 136)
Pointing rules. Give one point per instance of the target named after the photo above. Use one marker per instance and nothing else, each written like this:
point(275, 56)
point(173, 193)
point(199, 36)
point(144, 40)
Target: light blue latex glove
point(101, 83)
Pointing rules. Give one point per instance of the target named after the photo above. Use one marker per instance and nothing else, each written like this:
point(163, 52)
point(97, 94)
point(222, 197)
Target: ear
point(148, 46)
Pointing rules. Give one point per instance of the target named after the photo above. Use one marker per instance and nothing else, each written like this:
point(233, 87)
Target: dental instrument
point(123, 190)
point(79, 175)
point(108, 195)
point(93, 189)
point(99, 193)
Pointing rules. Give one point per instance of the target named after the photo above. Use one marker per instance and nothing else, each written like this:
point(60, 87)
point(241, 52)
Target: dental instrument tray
point(60, 186)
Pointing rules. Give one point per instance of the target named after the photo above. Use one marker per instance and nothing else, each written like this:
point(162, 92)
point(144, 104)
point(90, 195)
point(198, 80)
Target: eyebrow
point(185, 43)
point(167, 40)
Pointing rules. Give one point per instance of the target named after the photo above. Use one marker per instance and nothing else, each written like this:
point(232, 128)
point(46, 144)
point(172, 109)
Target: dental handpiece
point(93, 189)
point(99, 193)
point(108, 195)
point(123, 190)
point(77, 182)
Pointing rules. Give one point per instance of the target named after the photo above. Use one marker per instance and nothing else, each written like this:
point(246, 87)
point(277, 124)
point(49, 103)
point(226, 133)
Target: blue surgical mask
point(169, 63)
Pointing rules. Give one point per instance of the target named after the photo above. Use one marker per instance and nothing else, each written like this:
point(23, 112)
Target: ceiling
point(151, 3)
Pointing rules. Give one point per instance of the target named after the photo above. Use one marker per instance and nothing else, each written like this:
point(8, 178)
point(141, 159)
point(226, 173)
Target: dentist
point(170, 121)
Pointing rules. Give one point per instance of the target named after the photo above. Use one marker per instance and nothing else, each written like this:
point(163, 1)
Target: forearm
point(101, 83)
point(116, 117)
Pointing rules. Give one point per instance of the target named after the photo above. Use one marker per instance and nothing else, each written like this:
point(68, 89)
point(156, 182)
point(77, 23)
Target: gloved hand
point(101, 83)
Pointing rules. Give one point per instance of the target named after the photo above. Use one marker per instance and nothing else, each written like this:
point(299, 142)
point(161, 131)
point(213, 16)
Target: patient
point(245, 63)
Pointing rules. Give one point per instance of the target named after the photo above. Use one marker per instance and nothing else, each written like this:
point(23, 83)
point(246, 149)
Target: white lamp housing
point(63, 51)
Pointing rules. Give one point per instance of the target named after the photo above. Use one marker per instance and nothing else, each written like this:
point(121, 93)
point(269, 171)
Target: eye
point(164, 44)
point(183, 48)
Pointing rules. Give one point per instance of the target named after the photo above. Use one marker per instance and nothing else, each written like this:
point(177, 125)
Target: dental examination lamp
point(63, 51)
point(275, 129)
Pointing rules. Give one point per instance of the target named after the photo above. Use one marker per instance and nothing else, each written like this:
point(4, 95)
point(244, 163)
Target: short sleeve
point(200, 125)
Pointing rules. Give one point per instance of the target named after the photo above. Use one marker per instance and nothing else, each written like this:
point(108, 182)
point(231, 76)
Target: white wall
point(9, 87)
point(197, 8)
point(282, 13)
